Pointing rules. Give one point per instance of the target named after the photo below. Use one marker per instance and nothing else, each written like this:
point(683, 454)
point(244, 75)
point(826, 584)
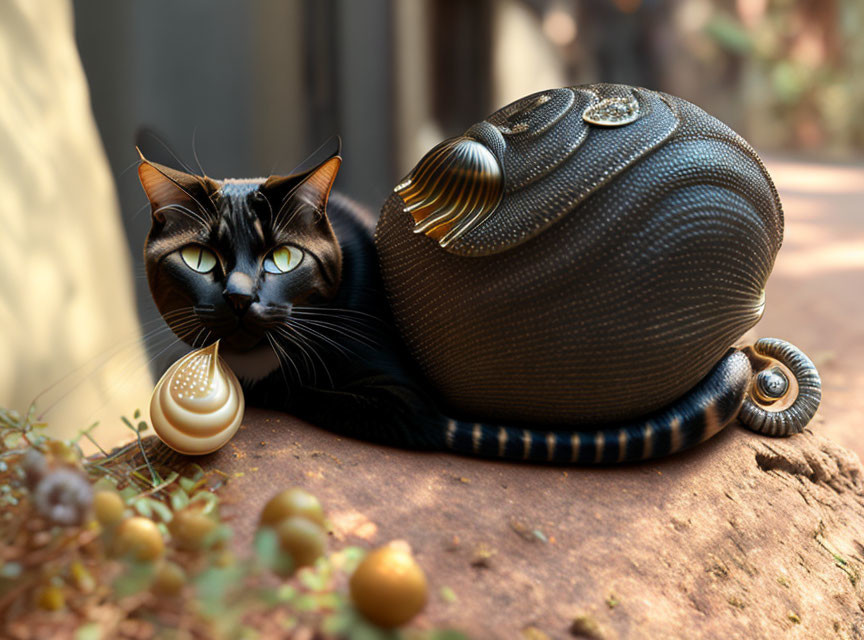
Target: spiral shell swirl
point(786, 391)
point(453, 189)
point(197, 406)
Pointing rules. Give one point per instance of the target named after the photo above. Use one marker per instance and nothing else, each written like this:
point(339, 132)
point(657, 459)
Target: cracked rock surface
point(743, 537)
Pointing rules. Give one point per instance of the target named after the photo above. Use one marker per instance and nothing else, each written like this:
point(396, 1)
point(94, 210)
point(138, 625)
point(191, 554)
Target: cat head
point(231, 257)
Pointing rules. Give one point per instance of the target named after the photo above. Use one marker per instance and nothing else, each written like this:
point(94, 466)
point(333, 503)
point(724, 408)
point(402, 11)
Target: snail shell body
point(198, 404)
point(583, 256)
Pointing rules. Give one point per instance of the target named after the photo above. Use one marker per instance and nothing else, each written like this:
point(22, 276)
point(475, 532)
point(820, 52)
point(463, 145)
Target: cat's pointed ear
point(315, 188)
point(168, 188)
point(311, 186)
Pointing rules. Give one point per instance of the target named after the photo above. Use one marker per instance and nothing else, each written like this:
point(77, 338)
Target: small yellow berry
point(224, 559)
point(81, 577)
point(50, 598)
point(302, 539)
point(292, 502)
point(108, 507)
point(190, 529)
point(63, 452)
point(140, 539)
point(170, 579)
point(388, 587)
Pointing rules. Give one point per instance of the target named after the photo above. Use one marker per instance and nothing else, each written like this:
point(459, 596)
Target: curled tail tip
point(785, 391)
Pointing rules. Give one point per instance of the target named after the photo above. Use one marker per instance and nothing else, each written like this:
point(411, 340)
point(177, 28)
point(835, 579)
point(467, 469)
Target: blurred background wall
point(66, 301)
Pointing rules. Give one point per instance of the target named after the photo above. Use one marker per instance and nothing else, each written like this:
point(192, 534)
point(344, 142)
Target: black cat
point(287, 277)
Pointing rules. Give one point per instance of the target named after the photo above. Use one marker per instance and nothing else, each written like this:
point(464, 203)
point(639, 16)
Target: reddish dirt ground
point(743, 537)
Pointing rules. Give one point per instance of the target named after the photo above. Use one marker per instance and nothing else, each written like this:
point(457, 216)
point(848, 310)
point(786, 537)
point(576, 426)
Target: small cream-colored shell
point(197, 406)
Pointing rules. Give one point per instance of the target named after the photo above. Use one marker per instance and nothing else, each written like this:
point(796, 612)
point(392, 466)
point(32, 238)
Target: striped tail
point(701, 413)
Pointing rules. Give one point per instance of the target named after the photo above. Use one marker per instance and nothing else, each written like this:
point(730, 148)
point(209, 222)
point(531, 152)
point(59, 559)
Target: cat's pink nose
point(239, 291)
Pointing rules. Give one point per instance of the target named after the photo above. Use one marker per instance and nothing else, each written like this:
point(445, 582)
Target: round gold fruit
point(302, 539)
point(140, 539)
point(108, 508)
point(389, 588)
point(189, 529)
point(292, 502)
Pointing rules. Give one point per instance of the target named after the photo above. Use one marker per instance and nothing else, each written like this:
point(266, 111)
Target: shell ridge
point(528, 213)
point(519, 174)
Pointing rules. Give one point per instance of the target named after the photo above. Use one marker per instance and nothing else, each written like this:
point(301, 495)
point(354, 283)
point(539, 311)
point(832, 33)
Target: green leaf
point(305, 602)
point(161, 509)
point(142, 506)
point(329, 601)
point(179, 500)
point(362, 630)
point(135, 579)
point(210, 500)
point(266, 546)
point(89, 631)
point(339, 623)
point(171, 478)
point(220, 534)
point(448, 595)
point(312, 580)
point(136, 414)
point(444, 634)
point(286, 593)
point(351, 557)
point(213, 585)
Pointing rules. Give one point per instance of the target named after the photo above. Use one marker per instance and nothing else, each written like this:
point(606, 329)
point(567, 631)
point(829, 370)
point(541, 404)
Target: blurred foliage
point(796, 69)
point(88, 579)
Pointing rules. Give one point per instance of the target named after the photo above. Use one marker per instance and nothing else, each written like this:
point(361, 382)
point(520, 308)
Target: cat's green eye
point(283, 259)
point(198, 258)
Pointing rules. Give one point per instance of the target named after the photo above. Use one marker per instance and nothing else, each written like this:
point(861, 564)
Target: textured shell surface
point(624, 247)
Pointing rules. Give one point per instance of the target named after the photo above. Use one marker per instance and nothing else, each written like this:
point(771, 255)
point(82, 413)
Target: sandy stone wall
point(65, 295)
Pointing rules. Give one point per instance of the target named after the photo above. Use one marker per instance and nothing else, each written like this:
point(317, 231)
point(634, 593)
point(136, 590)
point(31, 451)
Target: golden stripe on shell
point(198, 405)
point(453, 189)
